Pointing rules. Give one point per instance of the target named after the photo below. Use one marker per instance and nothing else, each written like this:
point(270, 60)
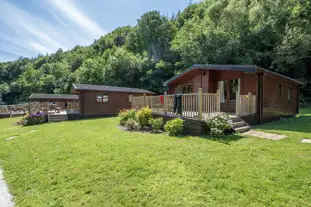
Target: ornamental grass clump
point(143, 116)
point(132, 125)
point(174, 127)
point(156, 124)
point(125, 115)
point(218, 123)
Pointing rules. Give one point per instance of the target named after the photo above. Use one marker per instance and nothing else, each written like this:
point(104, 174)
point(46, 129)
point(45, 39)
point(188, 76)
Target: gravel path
point(6, 199)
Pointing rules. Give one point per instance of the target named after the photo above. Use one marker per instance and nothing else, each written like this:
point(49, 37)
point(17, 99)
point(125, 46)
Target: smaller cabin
point(101, 100)
point(53, 102)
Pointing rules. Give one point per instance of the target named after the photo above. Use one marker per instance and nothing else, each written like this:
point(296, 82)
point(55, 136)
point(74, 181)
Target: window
point(234, 84)
point(280, 91)
point(102, 98)
point(184, 89)
point(290, 95)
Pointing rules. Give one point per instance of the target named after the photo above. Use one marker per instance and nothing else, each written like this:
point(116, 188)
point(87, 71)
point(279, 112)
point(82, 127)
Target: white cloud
point(15, 44)
point(71, 11)
point(28, 28)
point(10, 51)
point(40, 48)
point(28, 34)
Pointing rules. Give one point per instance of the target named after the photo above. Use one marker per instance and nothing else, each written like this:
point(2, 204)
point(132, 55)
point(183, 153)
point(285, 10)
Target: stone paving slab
point(13, 137)
point(306, 141)
point(264, 135)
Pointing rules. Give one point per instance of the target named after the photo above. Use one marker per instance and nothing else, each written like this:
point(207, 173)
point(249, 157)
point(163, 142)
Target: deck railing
point(194, 105)
point(14, 108)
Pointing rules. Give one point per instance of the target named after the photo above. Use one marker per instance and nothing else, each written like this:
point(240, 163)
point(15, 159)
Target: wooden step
point(242, 129)
point(235, 118)
point(58, 118)
point(239, 124)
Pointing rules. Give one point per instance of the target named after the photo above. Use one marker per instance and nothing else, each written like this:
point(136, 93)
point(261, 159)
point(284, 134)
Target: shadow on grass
point(225, 139)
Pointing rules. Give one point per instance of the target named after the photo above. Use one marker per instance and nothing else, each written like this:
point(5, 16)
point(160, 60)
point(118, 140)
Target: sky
point(32, 27)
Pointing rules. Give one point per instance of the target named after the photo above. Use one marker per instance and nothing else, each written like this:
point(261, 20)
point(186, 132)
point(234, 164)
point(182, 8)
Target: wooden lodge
point(253, 93)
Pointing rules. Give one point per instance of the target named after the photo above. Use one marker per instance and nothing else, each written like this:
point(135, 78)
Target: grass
point(93, 163)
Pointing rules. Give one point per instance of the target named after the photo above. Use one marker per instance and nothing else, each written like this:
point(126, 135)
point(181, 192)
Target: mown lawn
point(93, 163)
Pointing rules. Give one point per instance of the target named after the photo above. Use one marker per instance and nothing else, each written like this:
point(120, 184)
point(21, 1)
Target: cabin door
point(228, 90)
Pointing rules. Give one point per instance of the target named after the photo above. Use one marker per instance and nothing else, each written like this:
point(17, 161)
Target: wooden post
point(131, 100)
point(151, 102)
point(29, 107)
point(238, 99)
point(249, 102)
point(200, 103)
point(165, 103)
point(218, 100)
point(145, 101)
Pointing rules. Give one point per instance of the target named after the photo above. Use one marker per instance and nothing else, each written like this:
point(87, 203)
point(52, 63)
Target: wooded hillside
point(274, 34)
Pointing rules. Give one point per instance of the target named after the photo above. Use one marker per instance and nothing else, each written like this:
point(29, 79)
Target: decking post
point(238, 99)
point(218, 100)
point(145, 101)
point(200, 103)
point(165, 103)
point(250, 103)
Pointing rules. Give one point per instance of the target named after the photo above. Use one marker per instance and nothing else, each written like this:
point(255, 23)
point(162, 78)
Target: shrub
point(126, 115)
point(218, 123)
point(143, 116)
point(174, 127)
point(32, 119)
point(132, 124)
point(156, 124)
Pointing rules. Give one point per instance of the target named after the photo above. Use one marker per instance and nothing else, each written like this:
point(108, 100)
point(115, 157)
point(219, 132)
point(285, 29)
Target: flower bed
point(32, 119)
point(141, 120)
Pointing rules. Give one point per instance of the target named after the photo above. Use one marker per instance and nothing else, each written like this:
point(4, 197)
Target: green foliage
point(143, 116)
point(125, 115)
point(235, 171)
point(157, 123)
point(174, 127)
point(32, 119)
point(132, 124)
point(274, 34)
point(218, 123)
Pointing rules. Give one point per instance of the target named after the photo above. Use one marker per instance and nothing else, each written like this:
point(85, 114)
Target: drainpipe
point(201, 77)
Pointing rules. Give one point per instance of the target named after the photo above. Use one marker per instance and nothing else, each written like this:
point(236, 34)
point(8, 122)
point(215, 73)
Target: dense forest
point(274, 34)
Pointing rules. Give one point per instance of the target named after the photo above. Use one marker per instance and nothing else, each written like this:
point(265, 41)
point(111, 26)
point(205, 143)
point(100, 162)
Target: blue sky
point(32, 27)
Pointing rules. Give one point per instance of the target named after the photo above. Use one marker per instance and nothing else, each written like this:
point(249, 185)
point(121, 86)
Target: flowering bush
point(143, 116)
point(156, 124)
point(174, 127)
point(32, 119)
point(132, 124)
point(218, 123)
point(126, 115)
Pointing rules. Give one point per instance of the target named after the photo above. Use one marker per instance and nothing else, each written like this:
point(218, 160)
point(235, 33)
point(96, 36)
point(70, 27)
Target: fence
point(72, 107)
point(14, 108)
point(246, 104)
point(194, 105)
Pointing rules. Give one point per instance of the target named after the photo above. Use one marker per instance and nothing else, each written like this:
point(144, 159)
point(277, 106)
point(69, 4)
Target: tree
point(155, 32)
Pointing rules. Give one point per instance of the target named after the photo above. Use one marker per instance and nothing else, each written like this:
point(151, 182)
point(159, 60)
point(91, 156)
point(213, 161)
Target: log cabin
point(274, 95)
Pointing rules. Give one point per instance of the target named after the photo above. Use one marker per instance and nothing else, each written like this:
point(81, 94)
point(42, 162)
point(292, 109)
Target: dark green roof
point(86, 87)
point(45, 96)
point(242, 68)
